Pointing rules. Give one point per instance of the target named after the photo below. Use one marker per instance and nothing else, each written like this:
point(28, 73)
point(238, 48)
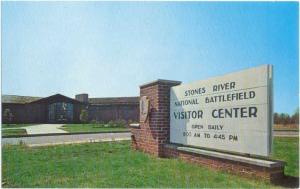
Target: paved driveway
point(44, 129)
point(67, 139)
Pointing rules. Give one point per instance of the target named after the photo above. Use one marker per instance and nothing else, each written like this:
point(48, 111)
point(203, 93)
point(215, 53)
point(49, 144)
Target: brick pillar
point(151, 135)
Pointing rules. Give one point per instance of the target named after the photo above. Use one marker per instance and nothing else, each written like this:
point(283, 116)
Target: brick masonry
point(153, 137)
point(237, 168)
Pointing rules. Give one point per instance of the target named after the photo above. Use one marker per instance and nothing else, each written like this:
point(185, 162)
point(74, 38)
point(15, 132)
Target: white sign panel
point(231, 112)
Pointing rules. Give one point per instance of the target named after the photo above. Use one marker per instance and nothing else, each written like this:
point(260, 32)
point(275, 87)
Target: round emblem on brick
point(144, 108)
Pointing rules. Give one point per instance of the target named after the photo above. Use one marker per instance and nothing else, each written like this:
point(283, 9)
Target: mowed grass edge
point(14, 132)
point(77, 128)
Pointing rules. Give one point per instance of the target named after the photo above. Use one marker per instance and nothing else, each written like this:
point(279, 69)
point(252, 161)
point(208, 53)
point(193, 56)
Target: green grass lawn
point(287, 149)
point(15, 125)
point(10, 132)
point(116, 165)
point(76, 128)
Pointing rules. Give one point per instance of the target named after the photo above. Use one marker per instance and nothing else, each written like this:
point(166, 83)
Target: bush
point(84, 116)
point(110, 124)
point(97, 122)
point(94, 121)
point(116, 123)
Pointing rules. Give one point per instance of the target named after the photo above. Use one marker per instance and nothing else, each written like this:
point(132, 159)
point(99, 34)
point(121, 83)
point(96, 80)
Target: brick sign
point(231, 112)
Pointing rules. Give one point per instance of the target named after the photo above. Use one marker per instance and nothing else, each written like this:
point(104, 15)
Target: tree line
point(284, 118)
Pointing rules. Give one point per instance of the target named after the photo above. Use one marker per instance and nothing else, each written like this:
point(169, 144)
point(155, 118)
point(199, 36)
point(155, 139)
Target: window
point(60, 112)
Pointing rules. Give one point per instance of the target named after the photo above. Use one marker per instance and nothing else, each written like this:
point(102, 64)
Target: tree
point(84, 116)
point(276, 118)
point(295, 117)
point(7, 115)
point(284, 119)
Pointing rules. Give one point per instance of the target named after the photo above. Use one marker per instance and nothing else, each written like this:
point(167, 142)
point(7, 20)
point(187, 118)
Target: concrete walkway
point(67, 139)
point(44, 129)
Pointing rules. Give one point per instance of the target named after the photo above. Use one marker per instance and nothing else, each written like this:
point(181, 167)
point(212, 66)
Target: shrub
point(97, 122)
point(84, 116)
point(117, 123)
point(94, 121)
point(121, 123)
point(110, 124)
point(101, 122)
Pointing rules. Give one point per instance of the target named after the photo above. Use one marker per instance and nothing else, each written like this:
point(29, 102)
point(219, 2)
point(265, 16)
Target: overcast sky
point(108, 49)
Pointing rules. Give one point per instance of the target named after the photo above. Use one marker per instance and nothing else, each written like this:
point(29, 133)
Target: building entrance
point(60, 112)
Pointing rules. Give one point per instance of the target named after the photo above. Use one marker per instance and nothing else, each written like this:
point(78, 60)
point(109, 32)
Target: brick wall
point(154, 133)
point(106, 113)
point(237, 168)
point(18, 111)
